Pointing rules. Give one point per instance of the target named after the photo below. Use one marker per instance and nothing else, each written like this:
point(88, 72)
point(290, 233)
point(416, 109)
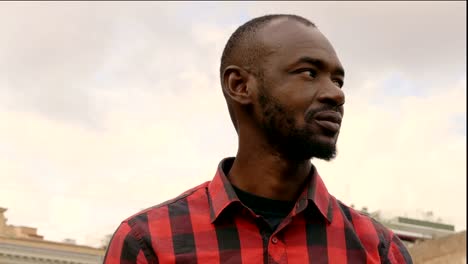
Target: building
point(450, 249)
point(429, 242)
point(411, 230)
point(22, 245)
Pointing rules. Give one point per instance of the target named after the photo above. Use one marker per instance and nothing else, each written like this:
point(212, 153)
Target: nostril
point(330, 101)
point(334, 97)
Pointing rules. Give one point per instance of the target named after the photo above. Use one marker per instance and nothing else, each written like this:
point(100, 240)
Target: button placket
point(276, 250)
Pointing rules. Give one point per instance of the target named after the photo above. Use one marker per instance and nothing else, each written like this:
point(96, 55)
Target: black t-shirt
point(273, 211)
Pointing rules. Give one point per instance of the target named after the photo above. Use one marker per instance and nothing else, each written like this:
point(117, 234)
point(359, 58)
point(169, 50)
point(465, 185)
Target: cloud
point(404, 160)
point(55, 57)
point(110, 108)
point(418, 38)
point(135, 161)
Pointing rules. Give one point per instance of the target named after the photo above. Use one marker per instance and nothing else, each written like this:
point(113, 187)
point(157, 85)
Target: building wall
point(22, 245)
point(16, 231)
point(23, 251)
point(446, 250)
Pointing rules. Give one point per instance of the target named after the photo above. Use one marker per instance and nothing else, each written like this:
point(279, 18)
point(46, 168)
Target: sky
point(108, 108)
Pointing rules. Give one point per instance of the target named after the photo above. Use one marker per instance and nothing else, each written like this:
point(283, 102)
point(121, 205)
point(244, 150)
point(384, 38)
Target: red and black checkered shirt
point(208, 224)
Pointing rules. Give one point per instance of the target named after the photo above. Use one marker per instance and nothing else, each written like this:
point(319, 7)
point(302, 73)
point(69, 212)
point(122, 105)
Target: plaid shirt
point(208, 224)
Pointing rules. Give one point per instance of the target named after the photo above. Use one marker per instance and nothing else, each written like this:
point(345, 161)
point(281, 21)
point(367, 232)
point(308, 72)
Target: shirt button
point(274, 240)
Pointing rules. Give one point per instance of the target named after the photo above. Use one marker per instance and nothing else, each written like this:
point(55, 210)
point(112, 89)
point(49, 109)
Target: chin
point(322, 149)
point(325, 150)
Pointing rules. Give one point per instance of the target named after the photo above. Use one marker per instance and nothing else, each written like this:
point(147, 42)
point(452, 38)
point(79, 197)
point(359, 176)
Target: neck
point(259, 169)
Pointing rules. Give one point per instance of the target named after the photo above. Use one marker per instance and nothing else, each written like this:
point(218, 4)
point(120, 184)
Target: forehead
point(289, 40)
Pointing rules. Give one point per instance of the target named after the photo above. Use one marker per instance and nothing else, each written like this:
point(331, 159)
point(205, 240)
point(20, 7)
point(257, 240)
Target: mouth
point(329, 120)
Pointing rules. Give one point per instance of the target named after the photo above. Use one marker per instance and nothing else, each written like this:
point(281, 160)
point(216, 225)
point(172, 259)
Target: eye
point(312, 73)
point(338, 82)
point(308, 72)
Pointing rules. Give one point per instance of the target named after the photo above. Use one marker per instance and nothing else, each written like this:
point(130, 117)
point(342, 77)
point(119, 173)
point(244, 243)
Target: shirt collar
point(221, 194)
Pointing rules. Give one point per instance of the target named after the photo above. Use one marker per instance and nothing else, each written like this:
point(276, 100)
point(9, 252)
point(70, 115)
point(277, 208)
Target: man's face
point(299, 93)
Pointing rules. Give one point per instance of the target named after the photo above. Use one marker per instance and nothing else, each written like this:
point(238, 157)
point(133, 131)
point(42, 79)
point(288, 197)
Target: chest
point(246, 241)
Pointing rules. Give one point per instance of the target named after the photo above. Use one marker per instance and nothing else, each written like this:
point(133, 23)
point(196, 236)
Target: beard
point(287, 137)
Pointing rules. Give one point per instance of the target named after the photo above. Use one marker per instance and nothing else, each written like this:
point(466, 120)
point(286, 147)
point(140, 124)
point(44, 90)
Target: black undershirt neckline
point(273, 211)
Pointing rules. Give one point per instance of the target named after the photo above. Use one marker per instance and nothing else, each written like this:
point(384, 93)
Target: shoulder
point(133, 240)
point(365, 223)
point(372, 232)
point(361, 219)
point(161, 209)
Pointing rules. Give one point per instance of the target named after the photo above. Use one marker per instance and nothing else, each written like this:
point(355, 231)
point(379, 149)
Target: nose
point(332, 95)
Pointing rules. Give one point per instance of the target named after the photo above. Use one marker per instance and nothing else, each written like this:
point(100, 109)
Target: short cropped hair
point(243, 48)
point(245, 34)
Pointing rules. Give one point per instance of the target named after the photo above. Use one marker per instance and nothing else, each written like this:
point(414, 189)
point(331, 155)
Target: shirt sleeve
point(126, 247)
point(397, 253)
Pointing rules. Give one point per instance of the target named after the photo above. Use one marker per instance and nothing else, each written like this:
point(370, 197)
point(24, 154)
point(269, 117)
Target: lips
point(329, 120)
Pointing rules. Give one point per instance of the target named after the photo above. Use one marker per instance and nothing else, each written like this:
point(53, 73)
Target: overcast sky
point(109, 108)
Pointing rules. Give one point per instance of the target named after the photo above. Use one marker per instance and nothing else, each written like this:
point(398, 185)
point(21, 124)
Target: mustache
point(309, 116)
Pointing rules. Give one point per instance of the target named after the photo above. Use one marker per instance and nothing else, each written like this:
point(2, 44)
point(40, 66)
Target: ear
point(237, 84)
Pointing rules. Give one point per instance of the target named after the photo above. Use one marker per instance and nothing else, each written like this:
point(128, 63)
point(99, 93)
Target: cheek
point(288, 115)
point(290, 121)
point(293, 108)
point(297, 106)
point(300, 119)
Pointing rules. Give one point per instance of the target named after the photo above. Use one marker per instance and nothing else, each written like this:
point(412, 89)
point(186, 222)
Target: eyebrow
point(320, 64)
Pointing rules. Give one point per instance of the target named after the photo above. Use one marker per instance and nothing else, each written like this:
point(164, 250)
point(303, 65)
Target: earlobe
point(236, 84)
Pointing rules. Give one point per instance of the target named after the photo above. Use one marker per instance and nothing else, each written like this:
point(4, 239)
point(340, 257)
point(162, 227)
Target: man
point(282, 81)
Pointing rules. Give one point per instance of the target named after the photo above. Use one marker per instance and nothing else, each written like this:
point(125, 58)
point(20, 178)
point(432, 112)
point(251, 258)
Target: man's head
point(282, 81)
